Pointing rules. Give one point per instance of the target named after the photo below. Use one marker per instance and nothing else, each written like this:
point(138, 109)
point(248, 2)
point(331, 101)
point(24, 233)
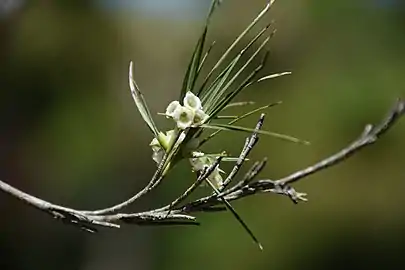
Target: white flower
point(159, 146)
point(155, 145)
point(183, 116)
point(200, 161)
point(171, 108)
point(158, 155)
point(197, 154)
point(216, 178)
point(192, 101)
point(199, 117)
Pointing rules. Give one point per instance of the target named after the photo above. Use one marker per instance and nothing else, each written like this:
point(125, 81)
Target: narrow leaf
point(141, 103)
point(237, 104)
point(195, 62)
point(238, 118)
point(226, 127)
point(230, 82)
point(236, 215)
point(239, 38)
point(226, 117)
point(228, 98)
point(212, 90)
point(218, 84)
point(272, 76)
point(205, 58)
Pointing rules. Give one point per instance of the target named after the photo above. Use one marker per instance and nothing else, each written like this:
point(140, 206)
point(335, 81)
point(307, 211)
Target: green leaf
point(230, 82)
point(237, 104)
point(218, 83)
point(226, 117)
point(237, 40)
point(215, 90)
point(238, 118)
point(275, 75)
point(235, 214)
point(226, 127)
point(205, 58)
point(195, 62)
point(141, 103)
point(246, 83)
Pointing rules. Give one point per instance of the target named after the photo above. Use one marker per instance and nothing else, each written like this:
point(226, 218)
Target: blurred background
point(70, 133)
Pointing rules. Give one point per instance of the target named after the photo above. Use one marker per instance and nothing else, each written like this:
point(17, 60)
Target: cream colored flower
point(171, 108)
point(155, 145)
point(198, 163)
point(192, 101)
point(184, 117)
point(158, 155)
point(199, 117)
point(160, 146)
point(216, 178)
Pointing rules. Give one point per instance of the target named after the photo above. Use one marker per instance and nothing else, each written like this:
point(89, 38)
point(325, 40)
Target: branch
point(177, 214)
point(282, 186)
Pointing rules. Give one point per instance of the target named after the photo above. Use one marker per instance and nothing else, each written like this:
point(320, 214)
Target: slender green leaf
point(212, 90)
point(226, 117)
point(238, 39)
point(272, 76)
point(238, 118)
point(228, 98)
point(232, 159)
point(218, 96)
point(236, 215)
point(205, 58)
point(195, 62)
point(237, 104)
point(217, 86)
point(226, 127)
point(141, 103)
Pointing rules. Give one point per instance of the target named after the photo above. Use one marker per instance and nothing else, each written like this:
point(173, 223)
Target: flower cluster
point(190, 114)
point(200, 161)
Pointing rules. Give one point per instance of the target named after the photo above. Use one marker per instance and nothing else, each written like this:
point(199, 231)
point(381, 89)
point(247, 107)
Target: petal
point(184, 117)
point(216, 178)
point(171, 108)
point(192, 101)
point(157, 156)
point(199, 117)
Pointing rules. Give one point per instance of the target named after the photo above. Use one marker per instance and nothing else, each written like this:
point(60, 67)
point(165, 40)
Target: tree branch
point(177, 213)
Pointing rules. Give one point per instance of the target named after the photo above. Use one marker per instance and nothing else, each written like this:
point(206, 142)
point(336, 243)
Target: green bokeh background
point(71, 134)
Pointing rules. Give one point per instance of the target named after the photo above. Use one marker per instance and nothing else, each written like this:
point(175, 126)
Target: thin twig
point(203, 175)
point(180, 215)
point(369, 136)
point(250, 143)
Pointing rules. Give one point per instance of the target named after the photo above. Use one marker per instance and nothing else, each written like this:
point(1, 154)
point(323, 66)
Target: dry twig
point(177, 213)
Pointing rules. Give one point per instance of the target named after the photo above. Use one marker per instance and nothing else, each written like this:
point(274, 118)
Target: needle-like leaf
point(237, 104)
point(215, 90)
point(226, 127)
point(141, 103)
point(237, 40)
point(195, 62)
point(236, 119)
point(236, 215)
